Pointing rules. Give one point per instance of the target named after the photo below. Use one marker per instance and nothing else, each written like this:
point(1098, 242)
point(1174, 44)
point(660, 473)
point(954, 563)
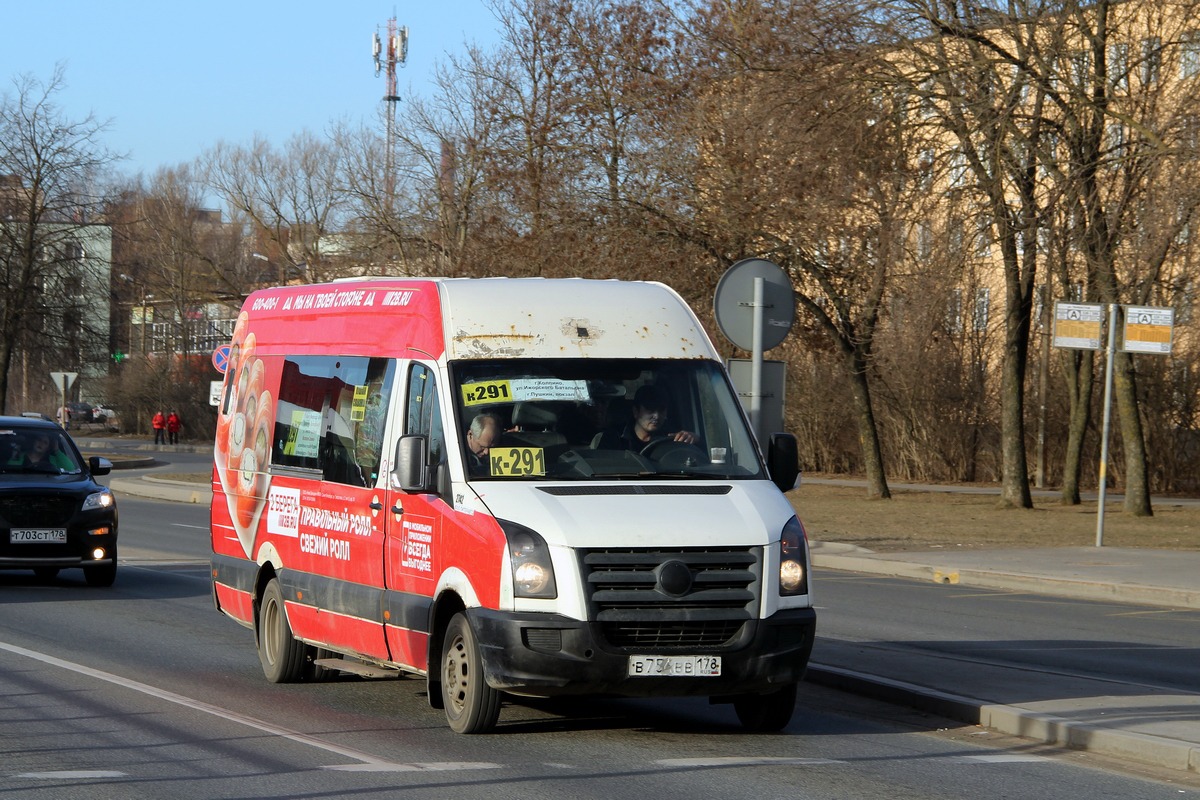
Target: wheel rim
point(456, 676)
point(270, 627)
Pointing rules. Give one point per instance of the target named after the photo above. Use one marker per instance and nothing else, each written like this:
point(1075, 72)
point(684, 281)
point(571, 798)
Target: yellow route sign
point(1078, 326)
point(1148, 330)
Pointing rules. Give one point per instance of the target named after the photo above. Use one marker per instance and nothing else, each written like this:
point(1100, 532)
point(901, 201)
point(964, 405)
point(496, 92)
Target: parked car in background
point(53, 513)
point(81, 412)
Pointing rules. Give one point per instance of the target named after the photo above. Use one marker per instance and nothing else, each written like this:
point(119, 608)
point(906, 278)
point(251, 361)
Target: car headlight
point(102, 499)
point(533, 574)
point(793, 559)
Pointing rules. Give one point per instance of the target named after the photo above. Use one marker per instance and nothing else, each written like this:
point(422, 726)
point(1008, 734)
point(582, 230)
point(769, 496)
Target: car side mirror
point(99, 465)
point(408, 467)
point(783, 461)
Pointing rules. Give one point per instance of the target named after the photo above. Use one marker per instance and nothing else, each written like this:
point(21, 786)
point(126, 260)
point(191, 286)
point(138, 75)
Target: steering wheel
point(674, 455)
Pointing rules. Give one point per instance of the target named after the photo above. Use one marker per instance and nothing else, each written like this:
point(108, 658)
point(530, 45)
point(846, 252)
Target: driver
point(482, 436)
point(42, 453)
point(647, 425)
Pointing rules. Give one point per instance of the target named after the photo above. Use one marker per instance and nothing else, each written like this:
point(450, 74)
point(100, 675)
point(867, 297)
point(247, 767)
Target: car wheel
point(766, 713)
point(471, 705)
point(102, 574)
point(281, 655)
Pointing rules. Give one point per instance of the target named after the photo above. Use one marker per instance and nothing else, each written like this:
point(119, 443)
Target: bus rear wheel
point(281, 655)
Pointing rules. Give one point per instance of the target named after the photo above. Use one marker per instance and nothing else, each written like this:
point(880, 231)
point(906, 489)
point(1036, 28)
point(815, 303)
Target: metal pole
point(756, 363)
point(1108, 382)
point(1043, 387)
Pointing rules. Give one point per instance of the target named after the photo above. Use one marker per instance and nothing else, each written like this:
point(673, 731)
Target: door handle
point(397, 510)
point(376, 506)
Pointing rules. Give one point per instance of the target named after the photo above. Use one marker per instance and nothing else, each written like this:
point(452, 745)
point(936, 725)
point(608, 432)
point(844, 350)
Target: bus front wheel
point(471, 705)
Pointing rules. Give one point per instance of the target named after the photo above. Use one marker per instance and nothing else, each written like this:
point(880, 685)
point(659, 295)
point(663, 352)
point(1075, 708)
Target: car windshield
point(600, 419)
point(36, 450)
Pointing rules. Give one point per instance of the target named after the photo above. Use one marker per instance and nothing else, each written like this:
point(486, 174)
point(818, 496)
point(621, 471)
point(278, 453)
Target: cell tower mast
point(387, 56)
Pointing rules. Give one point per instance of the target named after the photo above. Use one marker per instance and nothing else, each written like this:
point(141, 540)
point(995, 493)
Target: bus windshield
point(600, 419)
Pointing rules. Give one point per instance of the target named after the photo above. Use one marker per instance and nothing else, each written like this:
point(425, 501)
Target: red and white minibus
point(610, 526)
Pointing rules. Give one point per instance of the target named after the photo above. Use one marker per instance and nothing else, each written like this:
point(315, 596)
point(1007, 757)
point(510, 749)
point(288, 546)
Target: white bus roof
point(568, 317)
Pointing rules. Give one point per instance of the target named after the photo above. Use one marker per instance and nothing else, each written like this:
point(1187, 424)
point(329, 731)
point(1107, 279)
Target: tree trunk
point(1015, 489)
point(1080, 380)
point(1137, 488)
point(868, 431)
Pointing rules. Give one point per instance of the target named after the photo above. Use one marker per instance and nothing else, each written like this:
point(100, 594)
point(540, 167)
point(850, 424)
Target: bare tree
point(775, 150)
point(1062, 111)
point(179, 265)
point(293, 197)
point(50, 167)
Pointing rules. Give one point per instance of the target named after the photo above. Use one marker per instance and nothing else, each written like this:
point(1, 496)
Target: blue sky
point(175, 78)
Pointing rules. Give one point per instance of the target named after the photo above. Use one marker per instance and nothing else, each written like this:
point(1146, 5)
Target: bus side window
point(425, 416)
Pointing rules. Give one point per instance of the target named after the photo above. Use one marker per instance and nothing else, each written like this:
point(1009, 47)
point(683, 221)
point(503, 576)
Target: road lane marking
point(368, 761)
point(71, 775)
point(1002, 758)
point(748, 761)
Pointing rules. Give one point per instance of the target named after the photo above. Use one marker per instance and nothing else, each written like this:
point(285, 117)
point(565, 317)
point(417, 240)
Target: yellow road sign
point(1148, 330)
point(1078, 326)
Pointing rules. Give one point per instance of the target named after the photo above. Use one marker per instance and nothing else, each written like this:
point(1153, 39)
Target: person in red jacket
point(174, 425)
point(159, 423)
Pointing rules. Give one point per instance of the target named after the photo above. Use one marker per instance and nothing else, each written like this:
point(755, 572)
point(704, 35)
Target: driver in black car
point(647, 425)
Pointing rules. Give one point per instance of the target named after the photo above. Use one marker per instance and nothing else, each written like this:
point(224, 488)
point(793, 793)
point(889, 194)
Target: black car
point(81, 412)
point(53, 514)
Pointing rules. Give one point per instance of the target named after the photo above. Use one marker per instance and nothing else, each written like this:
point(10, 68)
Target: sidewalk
point(158, 489)
point(1157, 728)
point(1168, 578)
point(1150, 726)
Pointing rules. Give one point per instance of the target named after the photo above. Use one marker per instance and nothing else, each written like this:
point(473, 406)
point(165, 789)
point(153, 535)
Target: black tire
point(282, 657)
point(766, 713)
point(103, 574)
point(471, 705)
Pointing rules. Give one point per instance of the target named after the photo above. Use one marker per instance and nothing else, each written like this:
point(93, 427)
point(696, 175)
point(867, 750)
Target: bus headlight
point(793, 559)
point(533, 573)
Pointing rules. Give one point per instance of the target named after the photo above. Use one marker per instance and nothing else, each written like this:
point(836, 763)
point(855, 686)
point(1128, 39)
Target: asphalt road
point(143, 690)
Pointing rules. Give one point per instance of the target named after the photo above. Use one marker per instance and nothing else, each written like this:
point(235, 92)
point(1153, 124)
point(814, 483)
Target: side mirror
point(783, 461)
point(99, 465)
point(408, 467)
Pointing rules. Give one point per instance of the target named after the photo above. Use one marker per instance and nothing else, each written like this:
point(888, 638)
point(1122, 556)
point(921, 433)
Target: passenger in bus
point(482, 436)
point(648, 423)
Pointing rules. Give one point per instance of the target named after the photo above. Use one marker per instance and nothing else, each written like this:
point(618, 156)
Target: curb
point(159, 489)
point(1136, 594)
point(1156, 751)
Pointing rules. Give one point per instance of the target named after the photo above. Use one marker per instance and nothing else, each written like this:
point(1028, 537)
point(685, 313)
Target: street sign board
point(774, 377)
point(220, 358)
point(1078, 326)
point(214, 392)
point(733, 303)
point(1148, 330)
point(63, 380)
